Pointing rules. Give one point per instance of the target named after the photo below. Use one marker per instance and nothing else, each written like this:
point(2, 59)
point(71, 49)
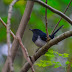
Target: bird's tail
point(52, 36)
point(57, 30)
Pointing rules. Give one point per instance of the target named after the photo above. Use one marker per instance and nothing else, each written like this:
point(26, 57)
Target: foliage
point(51, 59)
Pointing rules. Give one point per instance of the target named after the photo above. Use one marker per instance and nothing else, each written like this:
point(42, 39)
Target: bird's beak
point(30, 29)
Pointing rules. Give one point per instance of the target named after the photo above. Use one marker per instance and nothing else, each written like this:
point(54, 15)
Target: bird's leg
point(48, 39)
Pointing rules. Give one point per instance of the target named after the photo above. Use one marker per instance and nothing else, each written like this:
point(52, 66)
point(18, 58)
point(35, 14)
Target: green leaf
point(55, 52)
point(67, 62)
point(71, 65)
point(60, 54)
point(65, 55)
point(44, 63)
point(49, 55)
point(57, 64)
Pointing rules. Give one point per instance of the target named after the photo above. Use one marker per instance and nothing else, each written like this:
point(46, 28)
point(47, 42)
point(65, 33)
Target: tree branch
point(25, 53)
point(20, 32)
point(45, 48)
point(46, 23)
point(8, 35)
point(55, 11)
point(61, 18)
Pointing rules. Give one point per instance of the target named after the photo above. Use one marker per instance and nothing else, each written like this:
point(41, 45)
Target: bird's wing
point(43, 37)
point(34, 38)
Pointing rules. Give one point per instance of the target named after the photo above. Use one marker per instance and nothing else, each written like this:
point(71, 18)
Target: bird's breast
point(39, 42)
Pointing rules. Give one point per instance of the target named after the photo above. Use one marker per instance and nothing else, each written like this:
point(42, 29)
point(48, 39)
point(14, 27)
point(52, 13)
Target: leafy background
point(58, 56)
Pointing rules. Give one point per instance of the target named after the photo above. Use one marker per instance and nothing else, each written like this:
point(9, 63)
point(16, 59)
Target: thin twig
point(46, 23)
point(6, 27)
point(55, 11)
point(8, 35)
point(61, 18)
point(25, 53)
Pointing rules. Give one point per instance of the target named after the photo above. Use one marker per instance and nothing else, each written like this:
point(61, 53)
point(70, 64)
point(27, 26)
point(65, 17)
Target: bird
point(40, 38)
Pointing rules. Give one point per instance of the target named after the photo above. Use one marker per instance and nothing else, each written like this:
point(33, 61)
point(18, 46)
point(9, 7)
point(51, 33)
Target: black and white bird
point(40, 38)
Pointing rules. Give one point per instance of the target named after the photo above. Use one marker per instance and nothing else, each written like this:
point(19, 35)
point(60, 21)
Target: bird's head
point(36, 31)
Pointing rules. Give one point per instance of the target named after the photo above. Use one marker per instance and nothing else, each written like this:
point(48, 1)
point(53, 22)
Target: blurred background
point(37, 21)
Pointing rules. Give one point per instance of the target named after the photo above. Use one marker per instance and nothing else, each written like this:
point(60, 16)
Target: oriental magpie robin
point(40, 38)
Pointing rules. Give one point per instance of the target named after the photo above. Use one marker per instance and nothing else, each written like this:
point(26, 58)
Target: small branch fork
point(61, 17)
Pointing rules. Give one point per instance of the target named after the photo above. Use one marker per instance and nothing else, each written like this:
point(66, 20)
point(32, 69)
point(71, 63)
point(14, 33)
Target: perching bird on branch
point(40, 38)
